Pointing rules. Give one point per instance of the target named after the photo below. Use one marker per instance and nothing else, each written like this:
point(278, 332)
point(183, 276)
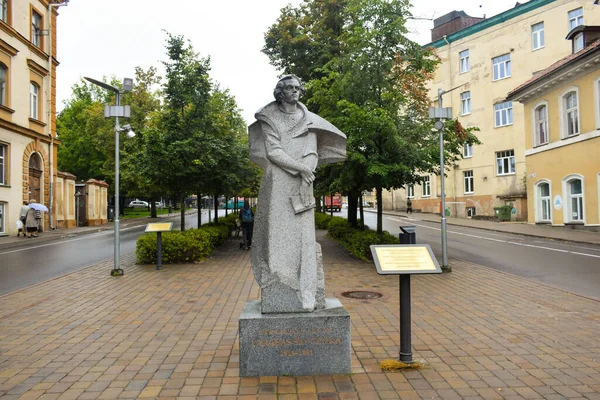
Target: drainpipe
point(51, 145)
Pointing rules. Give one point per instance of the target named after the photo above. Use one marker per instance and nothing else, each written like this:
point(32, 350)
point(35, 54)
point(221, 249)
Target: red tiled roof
point(557, 65)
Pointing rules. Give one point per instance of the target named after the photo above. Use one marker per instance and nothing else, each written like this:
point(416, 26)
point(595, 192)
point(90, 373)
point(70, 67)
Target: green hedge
point(185, 247)
point(357, 241)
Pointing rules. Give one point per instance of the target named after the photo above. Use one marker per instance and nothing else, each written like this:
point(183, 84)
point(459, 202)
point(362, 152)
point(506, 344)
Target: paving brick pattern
point(173, 334)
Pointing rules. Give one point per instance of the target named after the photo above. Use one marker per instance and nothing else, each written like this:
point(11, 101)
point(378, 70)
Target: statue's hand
point(307, 175)
point(306, 193)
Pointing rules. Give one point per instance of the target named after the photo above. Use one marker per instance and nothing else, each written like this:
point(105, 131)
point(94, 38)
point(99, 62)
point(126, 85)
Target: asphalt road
point(31, 264)
point(574, 267)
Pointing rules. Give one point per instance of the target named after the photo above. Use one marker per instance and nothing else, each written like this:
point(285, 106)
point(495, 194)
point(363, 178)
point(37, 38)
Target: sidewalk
point(172, 334)
point(520, 228)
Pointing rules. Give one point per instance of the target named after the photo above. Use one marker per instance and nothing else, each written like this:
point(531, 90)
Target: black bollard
point(405, 331)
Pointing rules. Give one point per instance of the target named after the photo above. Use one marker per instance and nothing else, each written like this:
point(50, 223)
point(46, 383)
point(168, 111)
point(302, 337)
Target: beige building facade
point(28, 143)
point(480, 64)
point(562, 136)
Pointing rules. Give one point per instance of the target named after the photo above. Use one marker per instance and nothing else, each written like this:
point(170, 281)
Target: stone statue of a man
point(289, 142)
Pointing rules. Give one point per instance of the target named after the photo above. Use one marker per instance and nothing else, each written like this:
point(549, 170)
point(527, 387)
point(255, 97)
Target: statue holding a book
point(289, 142)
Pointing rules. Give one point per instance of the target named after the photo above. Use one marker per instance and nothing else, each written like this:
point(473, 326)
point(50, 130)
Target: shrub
point(177, 247)
point(339, 228)
point(322, 220)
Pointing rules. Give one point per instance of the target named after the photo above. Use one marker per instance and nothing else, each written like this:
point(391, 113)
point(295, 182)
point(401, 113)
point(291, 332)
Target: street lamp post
point(116, 111)
point(441, 114)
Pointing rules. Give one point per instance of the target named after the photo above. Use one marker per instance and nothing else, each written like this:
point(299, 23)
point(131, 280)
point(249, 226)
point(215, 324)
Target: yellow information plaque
point(159, 227)
point(400, 259)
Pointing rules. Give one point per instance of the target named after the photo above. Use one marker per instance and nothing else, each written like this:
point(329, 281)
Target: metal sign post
point(159, 227)
point(405, 260)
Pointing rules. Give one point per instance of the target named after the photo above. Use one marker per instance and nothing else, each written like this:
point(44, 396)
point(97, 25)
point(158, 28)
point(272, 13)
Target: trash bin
point(408, 235)
point(503, 213)
point(111, 213)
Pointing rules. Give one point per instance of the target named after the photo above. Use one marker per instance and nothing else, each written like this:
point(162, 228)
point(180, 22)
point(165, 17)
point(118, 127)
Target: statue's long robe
point(285, 252)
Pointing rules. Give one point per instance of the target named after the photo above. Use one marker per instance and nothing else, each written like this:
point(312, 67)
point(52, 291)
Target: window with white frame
point(465, 102)
point(578, 42)
point(501, 66)
point(36, 29)
point(575, 200)
point(34, 91)
point(503, 113)
point(575, 18)
point(541, 125)
point(3, 166)
point(505, 162)
point(571, 114)
point(537, 36)
point(468, 179)
point(4, 10)
point(467, 150)
point(465, 64)
point(544, 202)
point(2, 218)
point(3, 77)
point(470, 212)
point(410, 191)
point(426, 187)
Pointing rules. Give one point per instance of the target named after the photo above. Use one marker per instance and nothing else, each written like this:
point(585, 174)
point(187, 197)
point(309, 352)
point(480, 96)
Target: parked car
point(159, 204)
point(138, 204)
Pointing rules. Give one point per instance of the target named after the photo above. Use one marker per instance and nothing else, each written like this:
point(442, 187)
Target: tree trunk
point(198, 198)
point(152, 208)
point(379, 210)
point(361, 201)
point(352, 208)
point(226, 205)
point(216, 219)
point(182, 210)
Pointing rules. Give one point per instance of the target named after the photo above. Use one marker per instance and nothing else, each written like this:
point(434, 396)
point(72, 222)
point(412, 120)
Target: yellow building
point(562, 135)
point(482, 60)
point(28, 141)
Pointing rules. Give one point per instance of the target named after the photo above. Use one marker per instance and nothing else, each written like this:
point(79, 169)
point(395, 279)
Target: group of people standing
point(30, 220)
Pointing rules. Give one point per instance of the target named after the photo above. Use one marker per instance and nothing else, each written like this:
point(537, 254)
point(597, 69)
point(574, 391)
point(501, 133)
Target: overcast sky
point(99, 38)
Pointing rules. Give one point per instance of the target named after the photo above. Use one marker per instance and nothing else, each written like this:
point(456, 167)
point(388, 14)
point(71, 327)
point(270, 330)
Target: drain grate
point(362, 295)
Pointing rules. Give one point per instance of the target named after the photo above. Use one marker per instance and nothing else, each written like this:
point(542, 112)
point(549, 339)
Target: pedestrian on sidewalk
point(22, 218)
point(31, 223)
point(247, 221)
point(409, 206)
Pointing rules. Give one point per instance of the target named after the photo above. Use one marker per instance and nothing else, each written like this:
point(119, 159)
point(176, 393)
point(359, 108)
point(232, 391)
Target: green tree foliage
point(372, 85)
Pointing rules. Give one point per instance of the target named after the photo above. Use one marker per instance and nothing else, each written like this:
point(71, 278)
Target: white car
point(159, 204)
point(138, 204)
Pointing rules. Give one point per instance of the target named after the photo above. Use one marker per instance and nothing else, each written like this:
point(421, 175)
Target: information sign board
point(404, 259)
point(159, 227)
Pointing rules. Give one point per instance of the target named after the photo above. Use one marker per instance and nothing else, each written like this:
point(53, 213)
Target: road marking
point(507, 241)
point(54, 243)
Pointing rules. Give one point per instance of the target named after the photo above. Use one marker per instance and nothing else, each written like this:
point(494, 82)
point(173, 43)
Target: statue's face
point(291, 91)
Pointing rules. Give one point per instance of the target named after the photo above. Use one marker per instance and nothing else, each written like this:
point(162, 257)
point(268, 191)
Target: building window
point(469, 184)
point(501, 67)
point(503, 113)
point(36, 29)
point(541, 125)
point(578, 43)
point(4, 10)
point(2, 218)
point(470, 212)
point(410, 191)
point(33, 100)
point(505, 162)
point(575, 200)
point(426, 187)
point(465, 65)
point(544, 202)
point(537, 36)
point(465, 102)
point(575, 18)
point(571, 114)
point(3, 164)
point(467, 150)
point(3, 77)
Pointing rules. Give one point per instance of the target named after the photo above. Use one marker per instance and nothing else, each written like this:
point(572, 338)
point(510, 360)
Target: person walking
point(31, 223)
point(409, 206)
point(247, 221)
point(22, 217)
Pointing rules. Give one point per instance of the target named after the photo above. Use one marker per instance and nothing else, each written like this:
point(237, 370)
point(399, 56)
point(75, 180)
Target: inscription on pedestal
point(295, 344)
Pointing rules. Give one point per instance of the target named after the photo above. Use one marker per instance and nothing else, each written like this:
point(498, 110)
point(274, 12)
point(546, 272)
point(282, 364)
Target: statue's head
point(288, 81)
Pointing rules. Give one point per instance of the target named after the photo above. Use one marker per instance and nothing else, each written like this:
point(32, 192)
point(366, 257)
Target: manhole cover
point(362, 294)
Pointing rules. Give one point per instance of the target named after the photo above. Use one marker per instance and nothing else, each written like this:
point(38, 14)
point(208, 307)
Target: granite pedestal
point(316, 343)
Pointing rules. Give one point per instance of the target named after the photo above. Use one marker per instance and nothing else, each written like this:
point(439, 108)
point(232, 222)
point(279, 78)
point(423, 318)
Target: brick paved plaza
point(172, 333)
